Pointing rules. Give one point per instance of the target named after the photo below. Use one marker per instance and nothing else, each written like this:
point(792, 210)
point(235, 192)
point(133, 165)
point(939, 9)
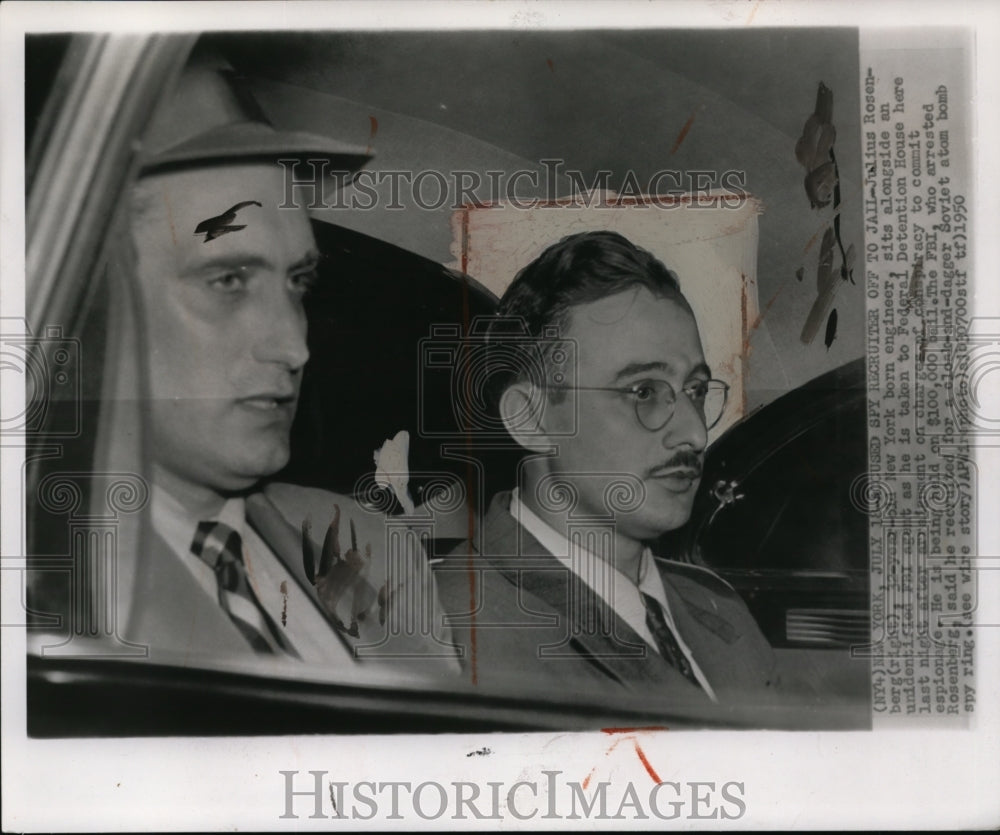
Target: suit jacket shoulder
point(718, 627)
point(695, 576)
point(296, 504)
point(171, 612)
point(516, 610)
point(375, 600)
point(708, 613)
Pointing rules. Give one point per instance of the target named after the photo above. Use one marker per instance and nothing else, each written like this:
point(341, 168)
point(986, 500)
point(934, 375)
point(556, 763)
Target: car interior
point(773, 514)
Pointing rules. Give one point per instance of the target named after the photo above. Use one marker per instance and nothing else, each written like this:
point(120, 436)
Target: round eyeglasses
point(656, 400)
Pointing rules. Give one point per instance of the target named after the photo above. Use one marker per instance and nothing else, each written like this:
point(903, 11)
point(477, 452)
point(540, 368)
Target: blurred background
point(703, 104)
point(622, 101)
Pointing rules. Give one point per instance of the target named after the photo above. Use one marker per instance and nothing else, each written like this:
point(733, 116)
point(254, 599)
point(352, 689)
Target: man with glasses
point(600, 376)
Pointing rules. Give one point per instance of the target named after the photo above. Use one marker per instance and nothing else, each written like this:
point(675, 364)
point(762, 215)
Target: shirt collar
point(626, 599)
point(558, 545)
point(172, 522)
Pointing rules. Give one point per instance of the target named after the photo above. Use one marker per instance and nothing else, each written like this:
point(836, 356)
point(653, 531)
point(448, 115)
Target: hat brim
point(241, 142)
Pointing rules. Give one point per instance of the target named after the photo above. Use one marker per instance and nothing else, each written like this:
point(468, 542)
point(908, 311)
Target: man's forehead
point(204, 212)
point(635, 327)
point(204, 191)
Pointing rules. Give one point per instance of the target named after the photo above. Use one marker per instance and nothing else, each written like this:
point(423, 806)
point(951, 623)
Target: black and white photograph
point(552, 415)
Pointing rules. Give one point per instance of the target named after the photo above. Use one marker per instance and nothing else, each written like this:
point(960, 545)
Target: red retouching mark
point(631, 732)
point(746, 330)
point(586, 781)
point(684, 132)
point(374, 130)
point(813, 240)
point(645, 762)
point(760, 318)
point(825, 225)
point(552, 66)
point(634, 730)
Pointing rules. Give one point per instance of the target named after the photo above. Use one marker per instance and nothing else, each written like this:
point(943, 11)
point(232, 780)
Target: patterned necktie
point(671, 651)
point(221, 548)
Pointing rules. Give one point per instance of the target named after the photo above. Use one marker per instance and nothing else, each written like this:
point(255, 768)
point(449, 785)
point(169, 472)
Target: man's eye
point(697, 390)
point(644, 391)
point(230, 282)
point(304, 282)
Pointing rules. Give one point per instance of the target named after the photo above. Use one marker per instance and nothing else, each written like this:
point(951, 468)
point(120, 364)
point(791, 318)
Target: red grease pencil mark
point(634, 730)
point(371, 136)
point(816, 235)
point(683, 133)
point(760, 318)
point(629, 734)
point(743, 324)
point(552, 66)
point(812, 240)
point(645, 762)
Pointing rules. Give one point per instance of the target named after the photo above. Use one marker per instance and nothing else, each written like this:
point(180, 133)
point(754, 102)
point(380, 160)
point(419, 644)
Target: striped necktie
point(666, 642)
point(221, 548)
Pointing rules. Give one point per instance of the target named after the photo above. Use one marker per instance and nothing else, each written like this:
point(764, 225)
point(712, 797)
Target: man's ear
point(521, 408)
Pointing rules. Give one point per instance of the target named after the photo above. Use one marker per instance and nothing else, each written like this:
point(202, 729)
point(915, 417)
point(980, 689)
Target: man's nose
point(282, 335)
point(686, 427)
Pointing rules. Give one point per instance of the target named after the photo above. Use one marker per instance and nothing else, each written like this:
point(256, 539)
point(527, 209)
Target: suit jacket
point(172, 615)
point(510, 605)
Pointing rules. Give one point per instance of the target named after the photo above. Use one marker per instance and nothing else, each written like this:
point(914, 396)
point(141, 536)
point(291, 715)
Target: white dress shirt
point(278, 591)
point(622, 594)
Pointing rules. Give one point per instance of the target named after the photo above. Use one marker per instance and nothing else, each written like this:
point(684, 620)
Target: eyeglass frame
point(635, 403)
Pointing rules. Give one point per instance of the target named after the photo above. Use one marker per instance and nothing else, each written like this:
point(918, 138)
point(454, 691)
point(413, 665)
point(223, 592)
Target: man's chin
point(662, 513)
point(246, 473)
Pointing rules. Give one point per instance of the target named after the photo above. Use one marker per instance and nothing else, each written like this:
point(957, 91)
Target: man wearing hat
point(223, 262)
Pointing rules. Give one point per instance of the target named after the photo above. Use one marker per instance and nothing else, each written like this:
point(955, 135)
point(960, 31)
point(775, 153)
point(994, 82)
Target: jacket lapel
point(374, 629)
point(170, 610)
point(281, 538)
point(286, 544)
point(713, 638)
point(608, 642)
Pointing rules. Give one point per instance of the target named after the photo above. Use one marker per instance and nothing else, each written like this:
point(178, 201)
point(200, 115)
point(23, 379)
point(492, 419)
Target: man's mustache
point(683, 460)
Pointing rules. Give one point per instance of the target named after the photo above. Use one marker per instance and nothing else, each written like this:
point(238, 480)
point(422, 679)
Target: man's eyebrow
point(640, 368)
point(309, 261)
point(236, 261)
point(701, 370)
point(228, 261)
point(634, 368)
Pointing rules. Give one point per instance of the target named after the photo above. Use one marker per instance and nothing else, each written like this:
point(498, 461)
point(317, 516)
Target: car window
point(94, 396)
point(377, 426)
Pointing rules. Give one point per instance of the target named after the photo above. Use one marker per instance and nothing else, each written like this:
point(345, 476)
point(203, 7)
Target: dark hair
point(585, 267)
